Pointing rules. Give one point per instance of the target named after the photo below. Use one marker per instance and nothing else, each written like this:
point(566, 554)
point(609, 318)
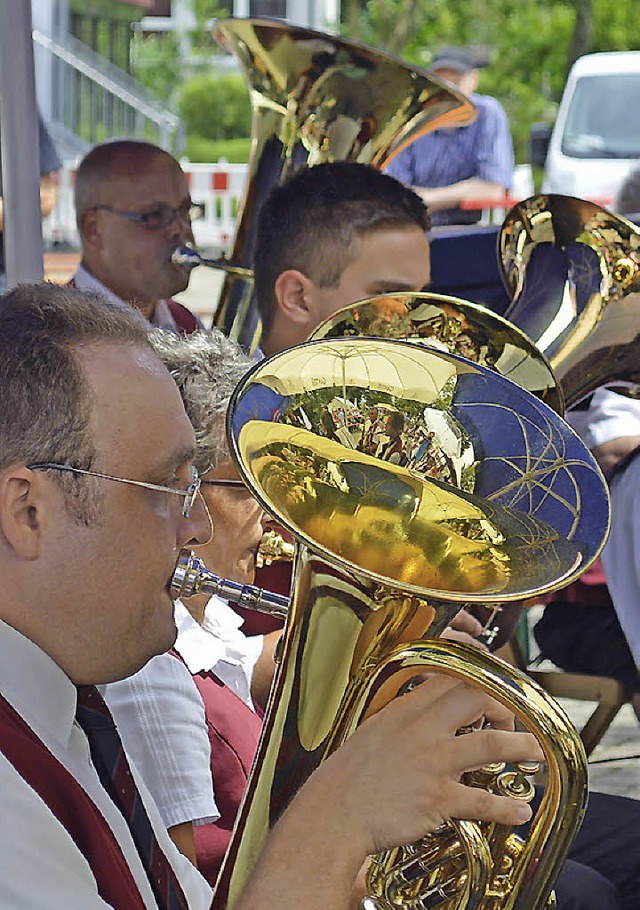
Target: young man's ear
point(293, 293)
point(21, 507)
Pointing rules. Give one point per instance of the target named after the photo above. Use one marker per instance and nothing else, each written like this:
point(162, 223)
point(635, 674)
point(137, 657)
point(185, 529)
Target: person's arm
point(264, 669)
point(50, 164)
point(609, 453)
point(183, 837)
point(48, 194)
point(160, 716)
point(474, 189)
point(356, 804)
point(493, 164)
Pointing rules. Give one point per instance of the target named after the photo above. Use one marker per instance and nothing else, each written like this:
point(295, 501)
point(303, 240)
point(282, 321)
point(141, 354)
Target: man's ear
point(293, 292)
point(22, 505)
point(90, 227)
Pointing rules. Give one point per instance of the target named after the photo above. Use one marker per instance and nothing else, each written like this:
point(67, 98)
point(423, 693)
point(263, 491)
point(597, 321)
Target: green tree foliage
point(530, 46)
point(213, 104)
point(216, 106)
point(156, 63)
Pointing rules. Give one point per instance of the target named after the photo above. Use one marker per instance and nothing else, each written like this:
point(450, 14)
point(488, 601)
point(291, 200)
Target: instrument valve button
point(513, 784)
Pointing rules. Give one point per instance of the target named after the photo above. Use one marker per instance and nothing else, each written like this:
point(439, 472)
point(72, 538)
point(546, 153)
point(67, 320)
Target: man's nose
point(180, 229)
point(198, 527)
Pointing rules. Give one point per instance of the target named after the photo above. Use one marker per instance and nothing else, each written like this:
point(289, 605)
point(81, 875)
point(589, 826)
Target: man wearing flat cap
point(463, 165)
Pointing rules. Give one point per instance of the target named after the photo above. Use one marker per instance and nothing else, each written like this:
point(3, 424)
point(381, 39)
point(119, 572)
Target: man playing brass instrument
point(194, 744)
point(194, 778)
point(97, 496)
point(133, 209)
point(322, 243)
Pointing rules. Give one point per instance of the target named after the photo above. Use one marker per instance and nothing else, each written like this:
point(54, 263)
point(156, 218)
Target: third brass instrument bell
point(451, 324)
point(572, 269)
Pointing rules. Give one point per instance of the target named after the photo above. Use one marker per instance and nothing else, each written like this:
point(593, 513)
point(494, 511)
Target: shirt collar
point(219, 638)
point(162, 317)
point(36, 686)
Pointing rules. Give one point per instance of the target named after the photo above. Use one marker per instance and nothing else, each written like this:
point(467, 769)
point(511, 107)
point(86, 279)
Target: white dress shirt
point(608, 416)
point(219, 645)
point(40, 864)
point(621, 554)
point(160, 714)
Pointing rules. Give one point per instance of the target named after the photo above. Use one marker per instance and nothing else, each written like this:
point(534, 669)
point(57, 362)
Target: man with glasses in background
point(133, 209)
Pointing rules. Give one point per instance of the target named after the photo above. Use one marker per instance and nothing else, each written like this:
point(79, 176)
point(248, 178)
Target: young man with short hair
point(329, 236)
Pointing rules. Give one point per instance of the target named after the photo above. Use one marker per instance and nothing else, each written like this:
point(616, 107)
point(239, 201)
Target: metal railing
point(96, 100)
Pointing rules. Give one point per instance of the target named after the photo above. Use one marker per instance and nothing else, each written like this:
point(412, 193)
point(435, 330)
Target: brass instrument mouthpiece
point(191, 577)
point(187, 255)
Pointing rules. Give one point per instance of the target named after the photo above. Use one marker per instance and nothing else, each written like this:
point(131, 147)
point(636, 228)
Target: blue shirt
point(483, 149)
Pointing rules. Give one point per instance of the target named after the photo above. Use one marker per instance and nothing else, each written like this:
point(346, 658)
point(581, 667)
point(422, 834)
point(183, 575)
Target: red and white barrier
point(219, 187)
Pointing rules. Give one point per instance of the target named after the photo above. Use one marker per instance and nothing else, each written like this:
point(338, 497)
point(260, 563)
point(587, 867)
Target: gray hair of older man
point(206, 367)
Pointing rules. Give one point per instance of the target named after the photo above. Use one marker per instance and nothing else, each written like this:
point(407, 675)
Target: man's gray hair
point(206, 367)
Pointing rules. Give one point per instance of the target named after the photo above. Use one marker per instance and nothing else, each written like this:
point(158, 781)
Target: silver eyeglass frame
point(190, 494)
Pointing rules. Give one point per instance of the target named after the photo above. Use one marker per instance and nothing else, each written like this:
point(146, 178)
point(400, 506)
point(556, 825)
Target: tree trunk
point(403, 28)
point(352, 18)
point(582, 40)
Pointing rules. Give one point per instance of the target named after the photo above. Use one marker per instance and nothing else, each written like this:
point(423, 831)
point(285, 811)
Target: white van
point(596, 138)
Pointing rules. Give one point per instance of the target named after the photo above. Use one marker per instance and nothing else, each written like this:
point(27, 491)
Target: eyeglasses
point(190, 494)
point(158, 218)
point(224, 483)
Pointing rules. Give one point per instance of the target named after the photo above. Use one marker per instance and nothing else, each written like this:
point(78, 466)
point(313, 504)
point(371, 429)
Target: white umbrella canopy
point(405, 371)
point(20, 165)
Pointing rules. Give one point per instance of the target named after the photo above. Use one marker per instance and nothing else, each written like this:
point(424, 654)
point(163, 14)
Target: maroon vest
point(186, 322)
point(276, 578)
point(72, 807)
point(234, 730)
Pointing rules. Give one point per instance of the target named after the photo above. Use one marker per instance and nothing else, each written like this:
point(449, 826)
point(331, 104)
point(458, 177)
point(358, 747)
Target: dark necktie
point(114, 772)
